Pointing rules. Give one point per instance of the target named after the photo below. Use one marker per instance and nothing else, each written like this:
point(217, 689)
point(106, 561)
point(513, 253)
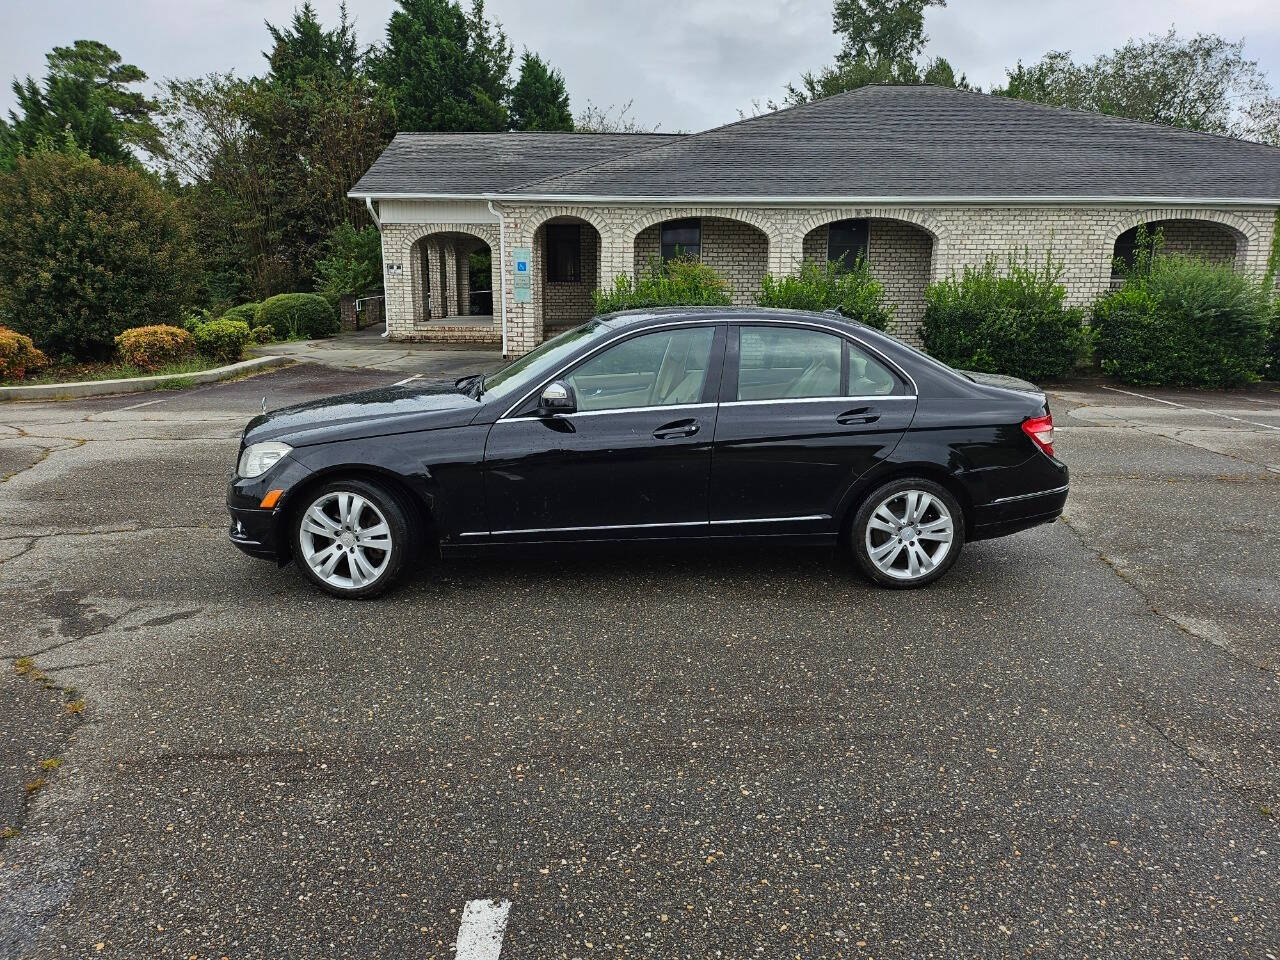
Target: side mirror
point(557, 397)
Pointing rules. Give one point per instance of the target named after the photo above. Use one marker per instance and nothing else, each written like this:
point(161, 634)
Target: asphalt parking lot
point(1067, 748)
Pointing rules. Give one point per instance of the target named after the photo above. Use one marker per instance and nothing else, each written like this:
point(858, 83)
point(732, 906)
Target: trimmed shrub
point(245, 313)
point(676, 283)
point(262, 335)
point(18, 355)
point(88, 250)
point(154, 346)
point(1012, 322)
point(293, 316)
point(1184, 322)
point(830, 286)
point(222, 340)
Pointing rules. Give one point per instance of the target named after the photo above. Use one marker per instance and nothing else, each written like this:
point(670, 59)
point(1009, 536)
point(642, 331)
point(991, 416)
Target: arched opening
point(451, 275)
point(736, 250)
point(899, 255)
point(1203, 239)
point(567, 260)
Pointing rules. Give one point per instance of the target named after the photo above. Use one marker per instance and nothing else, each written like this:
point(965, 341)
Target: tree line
point(247, 176)
point(1203, 82)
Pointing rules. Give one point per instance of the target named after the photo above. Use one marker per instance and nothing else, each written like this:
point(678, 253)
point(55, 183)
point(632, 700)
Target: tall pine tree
point(444, 68)
point(539, 100)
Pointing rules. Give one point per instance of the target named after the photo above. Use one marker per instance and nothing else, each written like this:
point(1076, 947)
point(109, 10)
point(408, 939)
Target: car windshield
point(524, 372)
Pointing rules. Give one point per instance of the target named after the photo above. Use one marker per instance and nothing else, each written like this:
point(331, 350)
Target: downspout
point(502, 272)
point(373, 215)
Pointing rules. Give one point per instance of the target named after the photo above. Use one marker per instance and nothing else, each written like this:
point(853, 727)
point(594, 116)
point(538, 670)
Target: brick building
point(920, 181)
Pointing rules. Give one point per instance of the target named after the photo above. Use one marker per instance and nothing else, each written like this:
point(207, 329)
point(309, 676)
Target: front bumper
point(257, 531)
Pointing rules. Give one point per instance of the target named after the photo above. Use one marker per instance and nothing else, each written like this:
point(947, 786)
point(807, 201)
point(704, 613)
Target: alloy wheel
point(345, 540)
point(909, 533)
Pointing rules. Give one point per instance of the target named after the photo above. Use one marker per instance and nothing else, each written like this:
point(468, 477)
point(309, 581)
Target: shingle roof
point(470, 164)
point(927, 141)
point(874, 143)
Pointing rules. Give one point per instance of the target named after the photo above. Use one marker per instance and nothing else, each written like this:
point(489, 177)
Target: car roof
point(649, 316)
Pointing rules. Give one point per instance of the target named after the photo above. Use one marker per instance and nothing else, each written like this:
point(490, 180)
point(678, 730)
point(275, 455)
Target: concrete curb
point(106, 388)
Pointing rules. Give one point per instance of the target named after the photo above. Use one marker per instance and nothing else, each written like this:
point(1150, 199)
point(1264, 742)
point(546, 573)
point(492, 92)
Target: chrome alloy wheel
point(909, 534)
point(345, 540)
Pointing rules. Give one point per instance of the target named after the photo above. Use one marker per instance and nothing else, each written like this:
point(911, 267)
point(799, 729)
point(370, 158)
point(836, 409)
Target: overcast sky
point(687, 66)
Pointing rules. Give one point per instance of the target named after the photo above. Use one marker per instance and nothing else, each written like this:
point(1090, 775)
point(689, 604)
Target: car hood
point(420, 405)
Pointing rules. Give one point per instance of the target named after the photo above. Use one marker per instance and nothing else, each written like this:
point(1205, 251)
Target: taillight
point(1040, 430)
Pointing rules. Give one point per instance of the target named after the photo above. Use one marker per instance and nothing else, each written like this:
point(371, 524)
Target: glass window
point(777, 363)
point(868, 377)
point(523, 372)
point(564, 252)
point(847, 241)
point(682, 238)
point(788, 363)
point(652, 370)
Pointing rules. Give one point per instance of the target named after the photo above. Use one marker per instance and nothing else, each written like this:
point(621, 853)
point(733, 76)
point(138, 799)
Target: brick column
point(615, 257)
point(449, 267)
point(465, 248)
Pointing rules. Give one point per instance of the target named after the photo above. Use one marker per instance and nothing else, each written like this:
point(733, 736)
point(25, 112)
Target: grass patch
point(76, 706)
point(53, 763)
point(85, 372)
point(31, 786)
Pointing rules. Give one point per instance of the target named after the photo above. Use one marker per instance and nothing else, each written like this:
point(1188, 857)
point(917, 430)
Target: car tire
point(353, 538)
point(894, 549)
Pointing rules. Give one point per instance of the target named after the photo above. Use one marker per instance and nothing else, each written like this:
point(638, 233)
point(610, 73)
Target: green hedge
point(292, 316)
point(245, 313)
point(1012, 321)
point(1184, 322)
point(830, 286)
point(676, 283)
point(222, 340)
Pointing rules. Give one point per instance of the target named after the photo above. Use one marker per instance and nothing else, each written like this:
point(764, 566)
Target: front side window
point(847, 242)
point(790, 363)
point(682, 238)
point(651, 370)
point(526, 370)
point(564, 252)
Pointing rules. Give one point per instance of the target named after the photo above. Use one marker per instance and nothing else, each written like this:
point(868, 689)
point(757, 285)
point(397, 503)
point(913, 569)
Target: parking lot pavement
point(1066, 748)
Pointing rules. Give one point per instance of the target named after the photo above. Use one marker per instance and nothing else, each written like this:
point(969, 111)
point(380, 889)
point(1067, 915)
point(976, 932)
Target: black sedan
point(679, 424)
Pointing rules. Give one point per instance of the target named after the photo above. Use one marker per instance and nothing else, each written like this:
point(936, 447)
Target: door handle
point(679, 428)
point(859, 415)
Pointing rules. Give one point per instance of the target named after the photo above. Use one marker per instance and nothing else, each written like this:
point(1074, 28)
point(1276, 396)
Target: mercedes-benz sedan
point(688, 424)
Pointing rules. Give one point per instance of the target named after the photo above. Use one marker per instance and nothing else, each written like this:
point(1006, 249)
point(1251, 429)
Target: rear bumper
point(1011, 514)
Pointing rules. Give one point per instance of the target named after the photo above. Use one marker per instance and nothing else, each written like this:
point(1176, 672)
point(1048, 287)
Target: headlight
point(258, 458)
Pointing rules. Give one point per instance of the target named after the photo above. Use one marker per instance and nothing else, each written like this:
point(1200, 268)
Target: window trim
point(553, 261)
point(730, 341)
point(678, 222)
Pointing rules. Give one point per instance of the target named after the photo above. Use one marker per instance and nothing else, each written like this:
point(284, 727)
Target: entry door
point(803, 414)
point(633, 461)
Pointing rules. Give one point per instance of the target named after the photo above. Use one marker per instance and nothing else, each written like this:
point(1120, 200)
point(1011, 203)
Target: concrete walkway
point(367, 350)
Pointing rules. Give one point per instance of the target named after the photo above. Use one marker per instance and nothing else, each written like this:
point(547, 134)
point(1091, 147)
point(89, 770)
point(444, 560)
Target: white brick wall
point(1082, 238)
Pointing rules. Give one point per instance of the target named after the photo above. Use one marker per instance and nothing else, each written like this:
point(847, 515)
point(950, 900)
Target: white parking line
point(1224, 416)
point(401, 383)
point(483, 924)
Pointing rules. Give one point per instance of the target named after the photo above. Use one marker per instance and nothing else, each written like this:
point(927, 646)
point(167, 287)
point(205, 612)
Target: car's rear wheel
point(352, 538)
point(907, 533)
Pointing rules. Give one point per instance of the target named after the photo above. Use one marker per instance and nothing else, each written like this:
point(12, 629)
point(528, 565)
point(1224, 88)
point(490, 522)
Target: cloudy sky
point(685, 66)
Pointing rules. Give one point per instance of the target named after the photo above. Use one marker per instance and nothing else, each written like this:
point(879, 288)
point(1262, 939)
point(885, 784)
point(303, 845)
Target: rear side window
point(790, 363)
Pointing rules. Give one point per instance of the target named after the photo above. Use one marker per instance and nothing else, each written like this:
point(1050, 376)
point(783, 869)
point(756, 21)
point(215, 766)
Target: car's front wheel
point(907, 533)
point(351, 538)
